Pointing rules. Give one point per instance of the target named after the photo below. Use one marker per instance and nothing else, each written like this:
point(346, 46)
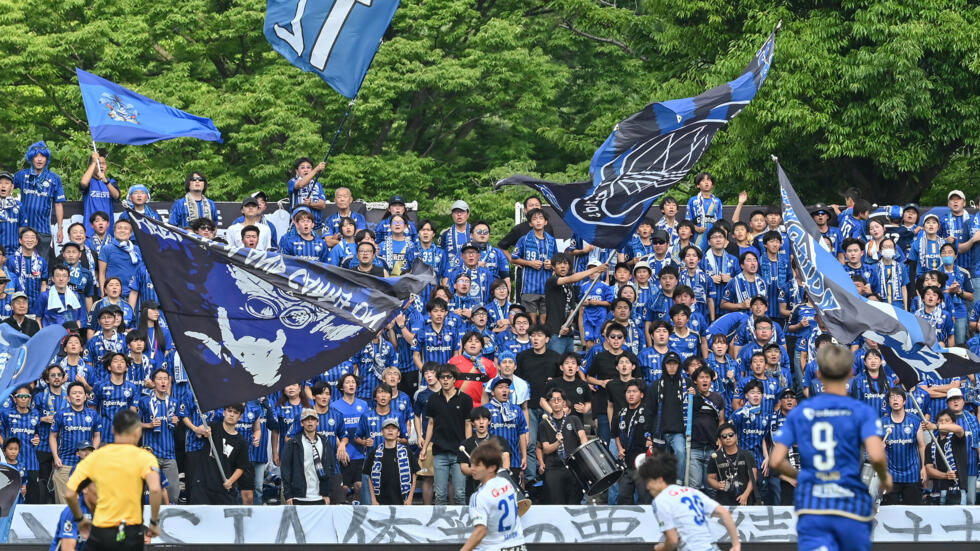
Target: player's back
point(686, 510)
point(829, 431)
point(494, 505)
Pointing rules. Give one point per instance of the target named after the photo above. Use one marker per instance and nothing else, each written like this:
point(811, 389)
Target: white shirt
point(494, 505)
point(309, 469)
point(520, 391)
point(234, 235)
point(686, 510)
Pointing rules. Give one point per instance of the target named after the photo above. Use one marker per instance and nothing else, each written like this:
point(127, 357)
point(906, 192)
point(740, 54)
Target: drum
point(594, 466)
point(523, 501)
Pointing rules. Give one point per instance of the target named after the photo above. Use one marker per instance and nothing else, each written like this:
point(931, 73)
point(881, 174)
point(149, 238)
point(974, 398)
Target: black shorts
point(352, 472)
point(247, 481)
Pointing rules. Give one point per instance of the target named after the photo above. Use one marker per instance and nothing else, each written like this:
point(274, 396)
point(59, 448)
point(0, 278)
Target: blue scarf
point(404, 470)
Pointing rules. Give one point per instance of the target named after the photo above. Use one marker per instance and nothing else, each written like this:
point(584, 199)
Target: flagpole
point(571, 316)
point(939, 451)
point(350, 105)
point(214, 449)
point(95, 150)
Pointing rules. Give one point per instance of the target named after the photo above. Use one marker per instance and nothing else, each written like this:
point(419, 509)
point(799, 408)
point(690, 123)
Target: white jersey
point(686, 510)
point(494, 505)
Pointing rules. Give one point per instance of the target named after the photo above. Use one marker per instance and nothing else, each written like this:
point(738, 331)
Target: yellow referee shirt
point(118, 471)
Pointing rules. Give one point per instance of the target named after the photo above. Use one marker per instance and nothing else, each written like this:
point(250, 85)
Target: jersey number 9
point(822, 437)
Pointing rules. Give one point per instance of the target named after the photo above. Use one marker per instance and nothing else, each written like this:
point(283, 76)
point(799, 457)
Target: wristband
point(154, 522)
point(79, 519)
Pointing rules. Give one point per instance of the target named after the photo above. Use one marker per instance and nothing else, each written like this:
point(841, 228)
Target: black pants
point(191, 462)
point(561, 487)
point(304, 502)
point(628, 487)
point(46, 463)
point(789, 493)
point(905, 493)
point(104, 539)
point(33, 489)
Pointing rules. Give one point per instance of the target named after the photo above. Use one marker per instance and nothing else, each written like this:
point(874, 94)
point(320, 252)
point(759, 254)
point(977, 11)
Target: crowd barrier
point(543, 524)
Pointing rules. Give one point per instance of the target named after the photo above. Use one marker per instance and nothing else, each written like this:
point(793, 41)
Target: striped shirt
point(108, 398)
point(38, 194)
point(9, 223)
point(81, 280)
point(314, 248)
point(480, 280)
point(48, 403)
point(903, 448)
point(436, 346)
point(530, 247)
point(180, 217)
point(74, 427)
point(507, 421)
point(286, 417)
point(129, 316)
point(371, 361)
point(312, 191)
point(100, 344)
point(159, 439)
point(751, 423)
point(187, 409)
point(30, 272)
point(331, 225)
point(370, 426)
point(330, 426)
point(23, 426)
point(140, 282)
point(95, 198)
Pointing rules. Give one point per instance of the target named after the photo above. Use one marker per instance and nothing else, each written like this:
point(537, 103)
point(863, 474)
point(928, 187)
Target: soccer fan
point(303, 243)
point(559, 434)
point(265, 237)
point(448, 413)
point(578, 394)
point(833, 504)
point(309, 470)
point(905, 447)
point(137, 198)
point(194, 204)
point(9, 212)
point(158, 414)
point(704, 209)
point(508, 422)
point(114, 393)
point(72, 425)
point(666, 400)
point(215, 484)
point(533, 253)
point(453, 237)
point(390, 468)
point(40, 191)
point(29, 265)
point(709, 414)
point(60, 305)
point(99, 193)
point(746, 285)
point(732, 471)
point(305, 189)
point(633, 431)
point(342, 199)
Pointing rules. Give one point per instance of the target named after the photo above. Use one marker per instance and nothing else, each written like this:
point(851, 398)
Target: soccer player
point(493, 508)
point(833, 504)
point(682, 512)
point(66, 536)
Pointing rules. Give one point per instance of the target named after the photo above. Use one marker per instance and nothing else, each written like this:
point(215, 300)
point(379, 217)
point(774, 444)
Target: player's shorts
point(832, 533)
point(533, 303)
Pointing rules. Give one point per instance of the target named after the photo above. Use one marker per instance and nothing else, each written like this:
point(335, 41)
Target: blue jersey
point(778, 277)
point(395, 254)
point(713, 264)
point(369, 426)
point(972, 427)
point(122, 260)
point(687, 346)
point(141, 283)
point(341, 251)
point(436, 346)
point(187, 409)
point(74, 427)
point(50, 311)
point(529, 248)
point(507, 421)
point(740, 289)
point(82, 281)
point(903, 448)
point(108, 398)
point(286, 418)
point(702, 286)
point(872, 391)
point(312, 191)
point(96, 197)
point(507, 341)
point(38, 194)
point(9, 223)
point(371, 361)
point(159, 439)
point(67, 528)
point(97, 347)
point(23, 426)
point(129, 316)
point(433, 257)
point(331, 225)
point(180, 216)
point(829, 431)
point(451, 241)
point(383, 229)
point(925, 253)
point(961, 229)
point(752, 423)
point(48, 403)
point(480, 280)
point(352, 413)
point(651, 363)
point(314, 249)
point(890, 282)
point(704, 212)
point(30, 272)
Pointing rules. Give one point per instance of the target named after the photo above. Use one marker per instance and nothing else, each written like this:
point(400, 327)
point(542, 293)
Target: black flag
point(247, 323)
point(958, 362)
point(10, 484)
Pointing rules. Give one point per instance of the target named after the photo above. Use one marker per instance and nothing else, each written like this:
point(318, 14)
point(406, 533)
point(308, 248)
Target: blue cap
point(84, 444)
point(37, 148)
point(506, 355)
point(298, 210)
point(138, 187)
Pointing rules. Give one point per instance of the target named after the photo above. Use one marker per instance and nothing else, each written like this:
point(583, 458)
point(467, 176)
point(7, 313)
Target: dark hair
point(447, 368)
point(679, 309)
point(689, 248)
point(765, 319)
point(659, 465)
point(567, 355)
point(489, 455)
point(741, 259)
point(851, 241)
point(529, 197)
point(897, 391)
point(320, 386)
point(861, 206)
point(248, 228)
point(430, 366)
point(237, 407)
point(534, 212)
point(616, 301)
point(303, 400)
point(481, 412)
point(124, 421)
point(135, 335)
point(669, 269)
point(187, 182)
point(429, 223)
point(702, 176)
point(638, 383)
point(382, 387)
point(73, 384)
point(344, 377)
point(469, 335)
point(11, 440)
point(298, 162)
point(96, 215)
point(560, 392)
point(561, 258)
point(666, 200)
point(144, 327)
point(753, 384)
point(436, 303)
point(522, 315)
point(771, 235)
point(539, 328)
point(684, 290)
point(360, 234)
point(704, 370)
point(727, 426)
point(495, 284)
point(615, 327)
point(687, 224)
point(157, 371)
point(60, 267)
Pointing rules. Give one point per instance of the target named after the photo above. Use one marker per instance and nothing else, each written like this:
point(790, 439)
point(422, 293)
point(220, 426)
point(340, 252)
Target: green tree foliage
point(881, 95)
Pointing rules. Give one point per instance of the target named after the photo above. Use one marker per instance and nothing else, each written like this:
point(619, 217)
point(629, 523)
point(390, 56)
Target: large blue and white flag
point(846, 314)
point(645, 155)
point(23, 359)
point(247, 323)
point(336, 39)
point(119, 115)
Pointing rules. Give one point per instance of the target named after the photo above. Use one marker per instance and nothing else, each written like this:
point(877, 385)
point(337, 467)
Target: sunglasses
point(728, 435)
point(198, 179)
point(441, 377)
point(22, 395)
point(617, 337)
point(482, 232)
point(659, 242)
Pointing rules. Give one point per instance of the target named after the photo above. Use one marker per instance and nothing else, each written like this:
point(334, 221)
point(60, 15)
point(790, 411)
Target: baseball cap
point(250, 201)
point(469, 245)
point(17, 295)
point(928, 216)
point(298, 210)
point(501, 381)
point(642, 265)
point(85, 445)
point(660, 235)
point(671, 357)
point(912, 206)
point(151, 304)
point(954, 193)
point(594, 262)
point(460, 204)
point(954, 393)
point(787, 392)
point(308, 412)
point(258, 194)
point(818, 208)
point(479, 309)
point(396, 200)
point(390, 422)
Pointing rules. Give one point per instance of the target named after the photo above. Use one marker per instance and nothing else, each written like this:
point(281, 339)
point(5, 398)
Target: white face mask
point(888, 254)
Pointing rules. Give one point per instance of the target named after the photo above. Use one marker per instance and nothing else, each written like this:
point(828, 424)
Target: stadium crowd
point(703, 309)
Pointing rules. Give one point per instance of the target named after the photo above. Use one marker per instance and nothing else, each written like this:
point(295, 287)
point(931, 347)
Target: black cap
point(820, 207)
point(671, 357)
point(85, 445)
point(787, 392)
point(250, 201)
point(910, 206)
point(258, 194)
point(660, 235)
point(112, 309)
point(469, 245)
point(501, 381)
point(396, 200)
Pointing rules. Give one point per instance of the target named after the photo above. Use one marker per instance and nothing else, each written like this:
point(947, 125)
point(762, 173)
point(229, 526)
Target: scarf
point(396, 260)
point(23, 272)
point(404, 470)
point(929, 260)
point(128, 246)
point(627, 428)
point(139, 372)
point(477, 360)
point(743, 288)
point(891, 283)
point(377, 359)
point(507, 414)
point(63, 307)
point(160, 408)
point(194, 212)
point(88, 256)
point(180, 376)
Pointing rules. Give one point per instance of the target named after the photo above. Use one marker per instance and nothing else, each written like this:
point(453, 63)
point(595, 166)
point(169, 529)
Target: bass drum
point(594, 466)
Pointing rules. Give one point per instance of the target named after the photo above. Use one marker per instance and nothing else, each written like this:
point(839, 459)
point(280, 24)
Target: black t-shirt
point(233, 451)
point(449, 428)
point(536, 369)
point(704, 427)
point(576, 391)
point(603, 367)
point(734, 469)
point(631, 426)
point(616, 389)
point(558, 302)
point(469, 445)
point(30, 327)
point(391, 490)
point(569, 426)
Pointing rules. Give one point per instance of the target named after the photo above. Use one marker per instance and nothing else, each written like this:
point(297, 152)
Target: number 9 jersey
point(830, 431)
point(494, 505)
point(686, 510)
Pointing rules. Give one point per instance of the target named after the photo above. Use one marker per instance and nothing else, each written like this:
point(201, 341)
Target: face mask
point(888, 254)
point(948, 260)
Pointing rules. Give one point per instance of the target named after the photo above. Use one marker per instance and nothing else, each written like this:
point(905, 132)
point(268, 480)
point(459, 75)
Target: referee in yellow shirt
point(118, 471)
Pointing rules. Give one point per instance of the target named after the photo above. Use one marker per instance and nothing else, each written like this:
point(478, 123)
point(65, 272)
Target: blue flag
point(247, 323)
point(645, 155)
point(843, 311)
point(120, 115)
point(335, 39)
point(23, 359)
